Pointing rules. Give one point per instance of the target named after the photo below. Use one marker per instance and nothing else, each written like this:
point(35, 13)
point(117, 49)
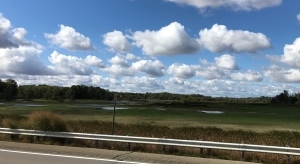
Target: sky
point(218, 48)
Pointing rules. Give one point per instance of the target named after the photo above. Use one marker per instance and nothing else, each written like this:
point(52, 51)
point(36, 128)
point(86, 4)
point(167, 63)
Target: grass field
point(257, 117)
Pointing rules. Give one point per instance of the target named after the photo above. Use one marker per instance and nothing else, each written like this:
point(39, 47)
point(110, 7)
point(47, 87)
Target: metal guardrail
point(159, 141)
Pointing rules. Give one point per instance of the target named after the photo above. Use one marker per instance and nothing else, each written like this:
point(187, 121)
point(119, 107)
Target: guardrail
point(159, 141)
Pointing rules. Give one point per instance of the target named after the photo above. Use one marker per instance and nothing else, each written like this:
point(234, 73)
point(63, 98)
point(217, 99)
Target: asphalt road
point(22, 157)
point(25, 153)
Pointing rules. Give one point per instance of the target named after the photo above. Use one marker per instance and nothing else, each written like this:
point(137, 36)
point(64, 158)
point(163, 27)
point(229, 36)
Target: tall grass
point(46, 121)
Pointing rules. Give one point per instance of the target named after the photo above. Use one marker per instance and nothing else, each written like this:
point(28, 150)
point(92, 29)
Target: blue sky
point(231, 48)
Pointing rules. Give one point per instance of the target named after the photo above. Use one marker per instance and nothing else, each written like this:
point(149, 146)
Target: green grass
point(236, 116)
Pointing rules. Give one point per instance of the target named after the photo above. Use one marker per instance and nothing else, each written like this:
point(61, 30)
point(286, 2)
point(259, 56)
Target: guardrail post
point(243, 152)
point(96, 142)
point(164, 146)
point(288, 160)
point(201, 152)
point(128, 145)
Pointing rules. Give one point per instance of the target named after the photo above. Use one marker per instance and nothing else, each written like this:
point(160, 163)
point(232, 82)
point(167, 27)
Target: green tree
point(10, 92)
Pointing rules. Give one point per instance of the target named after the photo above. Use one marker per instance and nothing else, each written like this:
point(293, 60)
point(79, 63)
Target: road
point(22, 157)
point(25, 153)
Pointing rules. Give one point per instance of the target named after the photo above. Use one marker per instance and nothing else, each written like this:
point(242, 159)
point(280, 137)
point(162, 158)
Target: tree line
point(9, 90)
point(285, 98)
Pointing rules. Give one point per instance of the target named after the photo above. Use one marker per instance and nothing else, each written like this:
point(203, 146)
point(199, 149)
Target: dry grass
point(46, 121)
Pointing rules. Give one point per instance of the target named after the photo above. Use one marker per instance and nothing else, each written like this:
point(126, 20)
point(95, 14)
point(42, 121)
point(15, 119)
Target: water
point(160, 109)
point(211, 112)
point(29, 105)
point(112, 108)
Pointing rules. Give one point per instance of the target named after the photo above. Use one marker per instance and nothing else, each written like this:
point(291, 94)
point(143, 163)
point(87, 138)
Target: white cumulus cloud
point(117, 70)
point(182, 71)
point(4, 25)
point(94, 61)
point(291, 54)
point(298, 17)
point(169, 40)
point(210, 72)
point(17, 55)
point(279, 74)
point(152, 68)
point(69, 39)
point(117, 41)
point(67, 64)
point(139, 84)
point(220, 39)
point(226, 62)
point(248, 76)
point(118, 60)
point(233, 4)
point(22, 60)
point(6, 40)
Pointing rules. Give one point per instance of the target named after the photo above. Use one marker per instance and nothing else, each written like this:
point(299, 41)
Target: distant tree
point(10, 92)
point(284, 98)
point(2, 87)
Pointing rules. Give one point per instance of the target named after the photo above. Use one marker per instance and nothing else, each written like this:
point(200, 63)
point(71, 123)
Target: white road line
point(70, 156)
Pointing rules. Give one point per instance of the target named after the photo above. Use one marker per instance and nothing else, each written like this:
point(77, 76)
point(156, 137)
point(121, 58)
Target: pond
point(28, 105)
point(160, 109)
point(211, 112)
point(112, 108)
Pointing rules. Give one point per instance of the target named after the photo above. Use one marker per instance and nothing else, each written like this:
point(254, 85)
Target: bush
point(9, 123)
point(46, 121)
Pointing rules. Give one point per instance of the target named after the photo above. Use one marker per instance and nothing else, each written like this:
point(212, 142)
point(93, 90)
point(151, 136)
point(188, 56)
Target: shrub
point(46, 121)
point(9, 123)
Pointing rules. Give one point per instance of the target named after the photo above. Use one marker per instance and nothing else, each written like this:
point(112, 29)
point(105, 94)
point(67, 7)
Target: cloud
point(4, 25)
point(140, 85)
point(6, 40)
point(220, 39)
point(94, 61)
point(169, 40)
point(233, 4)
point(22, 60)
point(117, 70)
point(152, 68)
point(298, 17)
point(225, 67)
point(218, 87)
point(117, 41)
point(69, 39)
point(118, 60)
point(182, 71)
point(132, 57)
point(63, 64)
point(248, 76)
point(219, 69)
point(226, 62)
point(18, 55)
point(119, 67)
point(279, 74)
point(291, 54)
point(211, 72)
